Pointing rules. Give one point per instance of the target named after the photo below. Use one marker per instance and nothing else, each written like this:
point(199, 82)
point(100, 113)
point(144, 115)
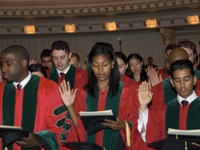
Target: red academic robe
point(81, 78)
point(128, 97)
point(48, 99)
point(153, 131)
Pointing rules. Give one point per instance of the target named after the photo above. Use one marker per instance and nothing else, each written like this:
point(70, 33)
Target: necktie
point(62, 76)
point(19, 86)
point(184, 102)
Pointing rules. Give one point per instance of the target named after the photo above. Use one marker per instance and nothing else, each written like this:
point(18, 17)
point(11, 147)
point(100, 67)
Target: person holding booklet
point(28, 101)
point(180, 113)
point(104, 91)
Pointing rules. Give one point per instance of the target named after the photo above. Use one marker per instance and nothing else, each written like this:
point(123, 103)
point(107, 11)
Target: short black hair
point(181, 64)
point(121, 56)
point(170, 47)
point(60, 45)
point(18, 51)
point(45, 53)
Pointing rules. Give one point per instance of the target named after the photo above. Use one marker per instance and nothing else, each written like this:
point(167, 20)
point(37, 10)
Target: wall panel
point(146, 44)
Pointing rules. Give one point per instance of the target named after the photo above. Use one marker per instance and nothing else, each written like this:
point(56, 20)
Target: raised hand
point(32, 61)
point(144, 95)
point(153, 76)
point(68, 95)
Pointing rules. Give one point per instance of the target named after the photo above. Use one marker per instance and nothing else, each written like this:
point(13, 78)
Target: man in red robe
point(64, 71)
point(29, 101)
point(180, 113)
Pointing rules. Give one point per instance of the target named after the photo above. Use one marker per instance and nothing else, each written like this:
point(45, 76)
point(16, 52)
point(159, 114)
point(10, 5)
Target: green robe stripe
point(29, 105)
point(8, 106)
point(110, 136)
point(193, 121)
point(70, 76)
point(172, 115)
point(48, 138)
point(168, 90)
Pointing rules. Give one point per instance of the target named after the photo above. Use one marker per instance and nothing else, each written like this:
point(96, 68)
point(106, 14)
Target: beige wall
point(146, 44)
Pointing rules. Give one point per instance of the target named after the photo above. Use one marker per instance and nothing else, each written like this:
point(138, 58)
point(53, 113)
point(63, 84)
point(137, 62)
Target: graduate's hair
point(188, 44)
point(143, 74)
point(121, 56)
point(106, 49)
point(60, 45)
point(45, 53)
point(19, 52)
point(170, 47)
point(181, 64)
point(37, 67)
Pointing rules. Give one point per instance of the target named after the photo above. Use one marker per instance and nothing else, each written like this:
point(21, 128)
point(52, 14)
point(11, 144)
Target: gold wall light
point(70, 28)
point(29, 29)
point(193, 19)
point(110, 26)
point(151, 23)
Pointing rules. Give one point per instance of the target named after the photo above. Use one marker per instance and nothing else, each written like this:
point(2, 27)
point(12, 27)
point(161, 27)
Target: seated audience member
point(150, 63)
point(136, 70)
point(181, 112)
point(29, 101)
point(37, 69)
point(122, 63)
point(75, 60)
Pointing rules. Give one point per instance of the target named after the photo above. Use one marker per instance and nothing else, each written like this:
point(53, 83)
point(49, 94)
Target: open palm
point(67, 94)
point(144, 94)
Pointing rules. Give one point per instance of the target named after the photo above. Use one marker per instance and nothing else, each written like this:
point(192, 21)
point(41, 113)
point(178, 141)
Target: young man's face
point(12, 68)
point(61, 59)
point(183, 82)
point(47, 62)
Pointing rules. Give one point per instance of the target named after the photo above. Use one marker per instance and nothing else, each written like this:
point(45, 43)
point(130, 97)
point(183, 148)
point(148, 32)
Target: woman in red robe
point(104, 91)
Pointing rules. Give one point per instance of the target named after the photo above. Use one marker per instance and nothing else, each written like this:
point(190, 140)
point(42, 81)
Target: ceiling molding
point(46, 9)
point(91, 17)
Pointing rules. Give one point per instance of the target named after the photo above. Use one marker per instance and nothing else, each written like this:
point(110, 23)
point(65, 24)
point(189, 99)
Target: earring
point(112, 66)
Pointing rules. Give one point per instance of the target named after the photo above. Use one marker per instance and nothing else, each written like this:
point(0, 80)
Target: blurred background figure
point(136, 70)
point(37, 69)
point(46, 59)
point(122, 62)
point(150, 63)
point(75, 60)
point(164, 71)
point(85, 62)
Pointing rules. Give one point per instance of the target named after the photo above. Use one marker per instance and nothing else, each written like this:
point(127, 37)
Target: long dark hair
point(129, 73)
point(115, 76)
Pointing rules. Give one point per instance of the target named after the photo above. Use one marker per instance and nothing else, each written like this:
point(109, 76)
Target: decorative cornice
point(46, 9)
point(91, 17)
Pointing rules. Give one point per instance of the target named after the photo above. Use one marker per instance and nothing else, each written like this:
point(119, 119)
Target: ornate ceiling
point(50, 16)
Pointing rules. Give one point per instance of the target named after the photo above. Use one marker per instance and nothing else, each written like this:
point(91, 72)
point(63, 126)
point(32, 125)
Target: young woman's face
point(122, 66)
point(135, 65)
point(101, 66)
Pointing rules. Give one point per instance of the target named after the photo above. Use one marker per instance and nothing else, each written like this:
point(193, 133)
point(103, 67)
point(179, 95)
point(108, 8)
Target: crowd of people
point(46, 98)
